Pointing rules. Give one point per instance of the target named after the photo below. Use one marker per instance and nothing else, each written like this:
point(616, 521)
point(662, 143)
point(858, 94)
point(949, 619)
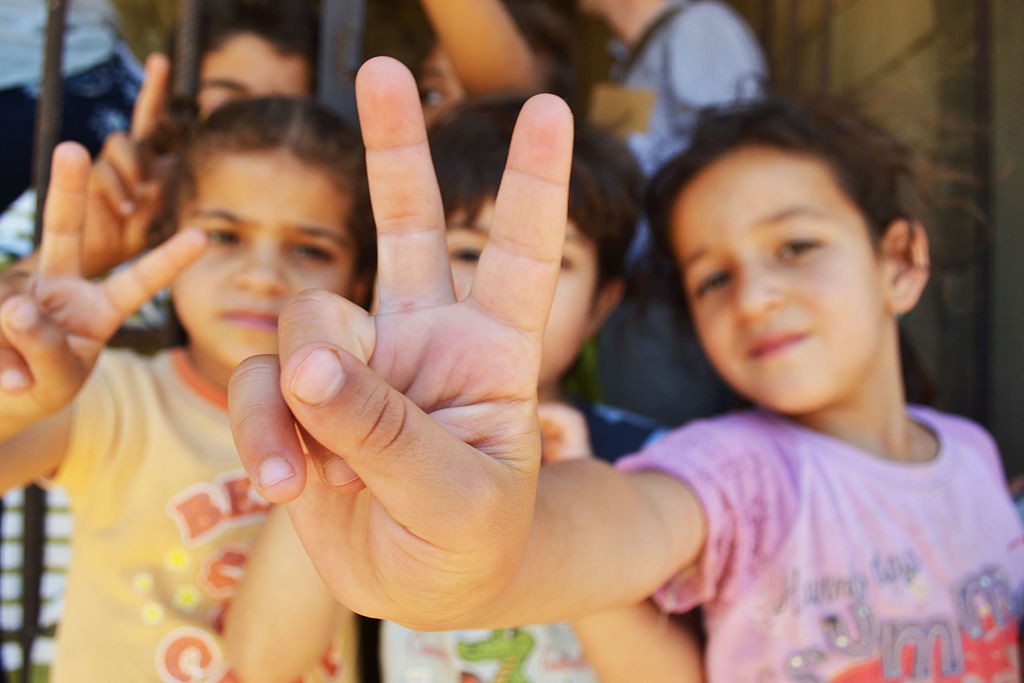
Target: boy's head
point(254, 48)
point(469, 147)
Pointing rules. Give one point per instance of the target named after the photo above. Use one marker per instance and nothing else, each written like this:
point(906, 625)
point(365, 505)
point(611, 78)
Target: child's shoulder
point(957, 428)
point(733, 444)
point(956, 432)
point(730, 429)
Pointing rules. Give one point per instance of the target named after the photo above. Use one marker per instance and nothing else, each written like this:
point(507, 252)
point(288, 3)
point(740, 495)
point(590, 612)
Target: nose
point(261, 271)
point(757, 292)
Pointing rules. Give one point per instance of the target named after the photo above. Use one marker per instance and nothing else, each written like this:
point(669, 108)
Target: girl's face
point(788, 295)
point(578, 308)
point(276, 227)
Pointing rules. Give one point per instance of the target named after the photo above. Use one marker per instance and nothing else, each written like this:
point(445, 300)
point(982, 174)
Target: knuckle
point(387, 414)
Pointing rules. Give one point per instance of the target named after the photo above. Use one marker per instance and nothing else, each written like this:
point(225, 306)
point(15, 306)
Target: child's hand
point(437, 509)
point(563, 431)
point(54, 324)
point(124, 185)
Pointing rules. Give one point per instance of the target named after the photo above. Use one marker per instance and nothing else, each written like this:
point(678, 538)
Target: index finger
point(60, 252)
point(412, 257)
point(150, 102)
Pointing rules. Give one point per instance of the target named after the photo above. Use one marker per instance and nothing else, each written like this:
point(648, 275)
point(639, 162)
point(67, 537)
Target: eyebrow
point(226, 83)
point(342, 237)
point(792, 212)
point(780, 216)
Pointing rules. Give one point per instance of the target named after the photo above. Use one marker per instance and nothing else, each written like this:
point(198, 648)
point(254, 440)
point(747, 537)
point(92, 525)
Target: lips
point(257, 320)
point(768, 345)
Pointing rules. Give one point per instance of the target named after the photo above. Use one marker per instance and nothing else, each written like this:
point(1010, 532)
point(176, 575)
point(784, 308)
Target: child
point(832, 532)
point(602, 216)
point(247, 49)
point(164, 517)
point(255, 48)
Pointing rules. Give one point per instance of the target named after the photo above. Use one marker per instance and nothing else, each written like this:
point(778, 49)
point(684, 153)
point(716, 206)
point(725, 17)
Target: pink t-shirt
point(826, 563)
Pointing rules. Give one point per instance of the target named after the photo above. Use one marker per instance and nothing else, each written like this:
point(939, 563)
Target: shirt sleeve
point(95, 424)
point(748, 488)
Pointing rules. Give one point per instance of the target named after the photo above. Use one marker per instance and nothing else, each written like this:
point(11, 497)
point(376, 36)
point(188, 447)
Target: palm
point(453, 356)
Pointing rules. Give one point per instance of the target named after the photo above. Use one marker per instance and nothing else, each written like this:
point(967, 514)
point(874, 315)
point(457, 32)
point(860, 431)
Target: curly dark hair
point(469, 146)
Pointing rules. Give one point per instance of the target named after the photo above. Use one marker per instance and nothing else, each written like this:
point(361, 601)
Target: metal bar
point(767, 27)
point(794, 46)
point(342, 25)
point(3, 668)
point(186, 50)
point(983, 66)
point(49, 116)
point(825, 58)
point(50, 106)
point(34, 544)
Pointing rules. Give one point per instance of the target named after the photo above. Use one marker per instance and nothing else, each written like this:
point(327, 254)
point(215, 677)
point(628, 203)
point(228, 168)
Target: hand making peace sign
point(436, 411)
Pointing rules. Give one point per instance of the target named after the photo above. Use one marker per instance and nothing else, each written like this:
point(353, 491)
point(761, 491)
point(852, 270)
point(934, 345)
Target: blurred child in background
point(164, 517)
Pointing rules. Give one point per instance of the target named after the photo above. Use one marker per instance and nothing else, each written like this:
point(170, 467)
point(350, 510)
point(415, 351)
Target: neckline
point(189, 375)
point(860, 462)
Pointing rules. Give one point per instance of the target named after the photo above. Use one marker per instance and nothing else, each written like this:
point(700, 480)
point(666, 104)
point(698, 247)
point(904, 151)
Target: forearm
point(484, 45)
point(641, 643)
point(282, 618)
point(617, 566)
point(31, 452)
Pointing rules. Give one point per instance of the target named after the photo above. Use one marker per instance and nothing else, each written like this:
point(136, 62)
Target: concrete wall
point(1007, 394)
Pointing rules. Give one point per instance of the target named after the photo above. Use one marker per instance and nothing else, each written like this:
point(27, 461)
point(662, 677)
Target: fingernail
point(127, 208)
point(337, 473)
point(318, 378)
point(13, 380)
point(22, 315)
point(273, 471)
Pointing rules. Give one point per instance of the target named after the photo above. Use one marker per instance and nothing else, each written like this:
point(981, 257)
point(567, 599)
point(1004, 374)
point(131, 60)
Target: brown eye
point(795, 248)
point(224, 237)
point(313, 252)
point(712, 282)
point(466, 255)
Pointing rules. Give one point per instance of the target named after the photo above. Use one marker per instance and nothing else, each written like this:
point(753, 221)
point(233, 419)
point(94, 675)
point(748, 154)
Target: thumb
point(385, 438)
point(264, 430)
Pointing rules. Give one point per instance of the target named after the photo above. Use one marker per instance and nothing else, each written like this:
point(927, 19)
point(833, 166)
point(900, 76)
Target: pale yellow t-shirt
point(164, 520)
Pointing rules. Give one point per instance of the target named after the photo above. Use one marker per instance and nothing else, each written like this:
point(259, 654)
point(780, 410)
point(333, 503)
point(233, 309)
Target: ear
point(608, 297)
point(904, 254)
